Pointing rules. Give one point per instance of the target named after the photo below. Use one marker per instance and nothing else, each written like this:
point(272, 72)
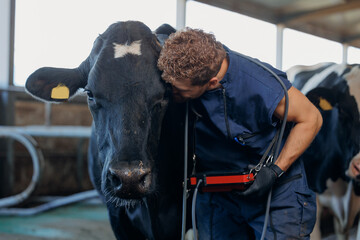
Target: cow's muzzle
point(130, 183)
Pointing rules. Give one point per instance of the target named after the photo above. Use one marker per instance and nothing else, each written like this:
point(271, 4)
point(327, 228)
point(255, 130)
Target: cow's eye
point(90, 95)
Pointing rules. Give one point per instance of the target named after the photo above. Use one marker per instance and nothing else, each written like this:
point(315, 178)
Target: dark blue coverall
point(244, 107)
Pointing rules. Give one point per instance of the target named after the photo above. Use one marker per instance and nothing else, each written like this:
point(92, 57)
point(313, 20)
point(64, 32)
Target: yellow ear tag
point(60, 92)
point(324, 104)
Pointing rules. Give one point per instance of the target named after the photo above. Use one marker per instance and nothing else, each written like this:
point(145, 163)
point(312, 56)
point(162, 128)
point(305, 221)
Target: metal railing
point(25, 134)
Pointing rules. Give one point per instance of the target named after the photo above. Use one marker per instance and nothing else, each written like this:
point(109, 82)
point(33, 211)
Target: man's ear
point(55, 84)
point(213, 83)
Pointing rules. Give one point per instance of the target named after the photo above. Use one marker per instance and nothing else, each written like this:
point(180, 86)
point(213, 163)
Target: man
point(240, 102)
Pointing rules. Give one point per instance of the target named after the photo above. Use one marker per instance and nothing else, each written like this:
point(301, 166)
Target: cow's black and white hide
point(136, 146)
point(335, 90)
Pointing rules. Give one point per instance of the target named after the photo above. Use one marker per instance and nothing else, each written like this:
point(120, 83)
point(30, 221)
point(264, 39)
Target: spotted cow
point(332, 161)
point(136, 145)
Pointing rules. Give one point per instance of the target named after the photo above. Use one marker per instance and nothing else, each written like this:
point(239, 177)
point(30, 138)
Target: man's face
point(183, 90)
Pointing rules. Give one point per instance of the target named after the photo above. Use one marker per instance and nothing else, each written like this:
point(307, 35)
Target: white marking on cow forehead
point(120, 50)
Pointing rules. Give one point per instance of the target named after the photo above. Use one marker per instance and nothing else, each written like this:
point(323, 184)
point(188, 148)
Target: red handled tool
point(222, 183)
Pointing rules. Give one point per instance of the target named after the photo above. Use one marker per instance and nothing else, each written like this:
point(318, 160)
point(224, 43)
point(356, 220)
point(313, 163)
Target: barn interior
point(43, 146)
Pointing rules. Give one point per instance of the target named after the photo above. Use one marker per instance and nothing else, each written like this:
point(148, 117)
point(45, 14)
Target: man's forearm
point(298, 141)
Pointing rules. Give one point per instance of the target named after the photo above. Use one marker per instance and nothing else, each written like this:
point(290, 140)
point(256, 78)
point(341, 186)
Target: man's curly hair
point(191, 54)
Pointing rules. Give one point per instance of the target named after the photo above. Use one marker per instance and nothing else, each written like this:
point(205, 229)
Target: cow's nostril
point(144, 180)
point(114, 179)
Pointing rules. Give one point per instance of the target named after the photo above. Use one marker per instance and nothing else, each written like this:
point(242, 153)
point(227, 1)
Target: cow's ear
point(55, 84)
point(165, 29)
point(322, 98)
point(162, 33)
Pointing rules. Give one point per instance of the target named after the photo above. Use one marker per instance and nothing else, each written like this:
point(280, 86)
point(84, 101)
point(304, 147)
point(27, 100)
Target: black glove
point(263, 182)
point(356, 185)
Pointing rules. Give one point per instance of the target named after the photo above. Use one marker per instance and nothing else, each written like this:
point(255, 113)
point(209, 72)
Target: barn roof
point(337, 20)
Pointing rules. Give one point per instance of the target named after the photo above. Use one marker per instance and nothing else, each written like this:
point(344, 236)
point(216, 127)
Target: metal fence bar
point(37, 159)
point(77, 197)
point(50, 131)
point(24, 134)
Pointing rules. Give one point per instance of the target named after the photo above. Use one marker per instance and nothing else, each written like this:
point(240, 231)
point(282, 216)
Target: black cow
point(136, 146)
point(333, 156)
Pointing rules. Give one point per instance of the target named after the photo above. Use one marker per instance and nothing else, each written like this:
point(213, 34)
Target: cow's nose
point(130, 183)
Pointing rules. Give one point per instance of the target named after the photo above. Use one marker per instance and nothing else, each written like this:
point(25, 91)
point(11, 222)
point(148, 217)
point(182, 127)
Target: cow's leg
point(316, 234)
point(333, 198)
point(339, 230)
point(354, 193)
point(339, 207)
point(353, 207)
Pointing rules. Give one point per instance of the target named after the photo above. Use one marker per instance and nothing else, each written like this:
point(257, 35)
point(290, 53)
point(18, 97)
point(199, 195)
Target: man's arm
point(308, 121)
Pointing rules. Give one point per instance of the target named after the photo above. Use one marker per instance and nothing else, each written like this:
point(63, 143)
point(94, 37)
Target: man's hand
point(263, 182)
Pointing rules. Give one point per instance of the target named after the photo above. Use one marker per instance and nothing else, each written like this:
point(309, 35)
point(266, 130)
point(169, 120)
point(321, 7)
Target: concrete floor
point(87, 220)
point(76, 222)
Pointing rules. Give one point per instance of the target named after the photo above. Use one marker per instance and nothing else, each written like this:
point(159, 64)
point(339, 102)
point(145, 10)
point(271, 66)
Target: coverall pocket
point(254, 141)
point(307, 201)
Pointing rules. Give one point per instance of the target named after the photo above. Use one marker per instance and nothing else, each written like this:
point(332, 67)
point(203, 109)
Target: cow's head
point(127, 100)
